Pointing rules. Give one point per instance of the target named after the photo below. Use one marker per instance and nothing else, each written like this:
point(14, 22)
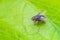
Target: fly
point(39, 17)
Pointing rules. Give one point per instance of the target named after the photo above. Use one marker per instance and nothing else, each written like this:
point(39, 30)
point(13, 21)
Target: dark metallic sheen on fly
point(39, 17)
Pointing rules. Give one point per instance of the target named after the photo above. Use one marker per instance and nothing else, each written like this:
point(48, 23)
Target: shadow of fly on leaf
point(39, 19)
point(39, 23)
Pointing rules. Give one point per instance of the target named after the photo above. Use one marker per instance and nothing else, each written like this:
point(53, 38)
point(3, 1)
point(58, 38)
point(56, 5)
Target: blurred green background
point(16, 23)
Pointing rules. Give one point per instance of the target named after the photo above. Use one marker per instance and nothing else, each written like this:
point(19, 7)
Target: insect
point(39, 17)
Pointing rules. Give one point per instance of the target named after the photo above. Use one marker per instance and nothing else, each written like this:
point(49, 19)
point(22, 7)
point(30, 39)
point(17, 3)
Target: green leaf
point(16, 23)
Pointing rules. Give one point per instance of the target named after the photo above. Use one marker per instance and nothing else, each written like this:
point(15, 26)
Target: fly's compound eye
point(35, 18)
point(32, 18)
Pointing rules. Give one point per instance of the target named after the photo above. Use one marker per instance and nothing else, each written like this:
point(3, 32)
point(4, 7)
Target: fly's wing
point(42, 13)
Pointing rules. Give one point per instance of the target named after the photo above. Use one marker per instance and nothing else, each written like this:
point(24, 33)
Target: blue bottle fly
point(39, 17)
